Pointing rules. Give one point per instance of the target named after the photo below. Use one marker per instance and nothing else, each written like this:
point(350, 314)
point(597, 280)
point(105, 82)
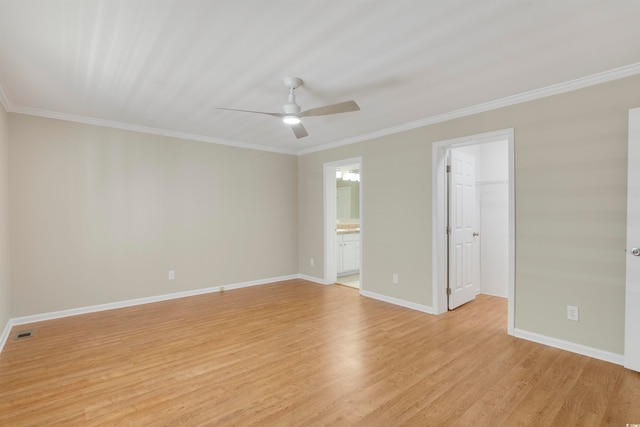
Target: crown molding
point(571, 85)
point(145, 129)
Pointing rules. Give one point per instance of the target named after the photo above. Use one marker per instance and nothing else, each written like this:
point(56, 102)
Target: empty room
point(285, 213)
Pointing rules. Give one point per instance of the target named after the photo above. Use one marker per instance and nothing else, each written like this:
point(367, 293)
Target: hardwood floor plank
point(589, 395)
point(510, 387)
point(623, 406)
point(297, 354)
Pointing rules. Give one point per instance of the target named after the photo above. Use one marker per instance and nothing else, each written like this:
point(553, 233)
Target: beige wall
point(100, 215)
point(4, 220)
point(570, 172)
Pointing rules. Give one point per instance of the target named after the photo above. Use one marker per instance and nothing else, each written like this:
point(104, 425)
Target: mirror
point(348, 193)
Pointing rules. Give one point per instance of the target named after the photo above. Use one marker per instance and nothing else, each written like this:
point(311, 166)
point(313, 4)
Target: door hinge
point(448, 230)
point(448, 291)
point(448, 168)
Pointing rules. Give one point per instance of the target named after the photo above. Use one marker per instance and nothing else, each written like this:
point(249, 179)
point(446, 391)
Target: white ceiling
point(164, 66)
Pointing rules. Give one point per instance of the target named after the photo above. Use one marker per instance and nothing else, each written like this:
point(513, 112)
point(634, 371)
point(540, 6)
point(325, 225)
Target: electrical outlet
point(172, 274)
point(312, 262)
point(221, 288)
point(395, 279)
point(572, 313)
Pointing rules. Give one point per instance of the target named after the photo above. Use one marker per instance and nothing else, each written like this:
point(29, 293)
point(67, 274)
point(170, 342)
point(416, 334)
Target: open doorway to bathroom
point(348, 225)
point(343, 216)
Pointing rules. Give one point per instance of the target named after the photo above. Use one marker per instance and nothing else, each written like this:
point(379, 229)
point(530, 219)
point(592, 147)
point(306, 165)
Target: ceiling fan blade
point(249, 111)
point(299, 130)
point(342, 107)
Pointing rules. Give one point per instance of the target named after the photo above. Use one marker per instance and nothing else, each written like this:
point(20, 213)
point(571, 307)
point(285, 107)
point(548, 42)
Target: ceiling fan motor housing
point(291, 108)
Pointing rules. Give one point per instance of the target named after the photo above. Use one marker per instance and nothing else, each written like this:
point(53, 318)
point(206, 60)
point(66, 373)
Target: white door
point(632, 309)
point(462, 192)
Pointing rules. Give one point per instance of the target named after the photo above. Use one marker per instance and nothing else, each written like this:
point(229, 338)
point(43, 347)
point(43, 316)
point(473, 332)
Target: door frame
point(330, 217)
point(439, 215)
point(632, 285)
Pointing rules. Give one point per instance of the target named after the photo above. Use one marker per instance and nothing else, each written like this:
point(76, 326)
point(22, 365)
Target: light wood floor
point(301, 354)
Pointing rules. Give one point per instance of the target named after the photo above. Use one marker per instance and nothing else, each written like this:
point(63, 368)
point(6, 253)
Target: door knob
point(476, 234)
point(635, 251)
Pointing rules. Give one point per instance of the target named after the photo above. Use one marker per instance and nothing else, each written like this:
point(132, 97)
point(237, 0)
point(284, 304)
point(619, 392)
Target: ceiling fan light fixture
point(291, 120)
point(291, 111)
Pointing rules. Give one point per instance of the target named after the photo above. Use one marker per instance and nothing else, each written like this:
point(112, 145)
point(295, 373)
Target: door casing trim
point(632, 284)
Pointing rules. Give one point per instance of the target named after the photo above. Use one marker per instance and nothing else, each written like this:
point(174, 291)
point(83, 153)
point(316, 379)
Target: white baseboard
point(618, 359)
point(5, 334)
point(313, 279)
point(397, 301)
point(584, 350)
point(491, 294)
point(140, 301)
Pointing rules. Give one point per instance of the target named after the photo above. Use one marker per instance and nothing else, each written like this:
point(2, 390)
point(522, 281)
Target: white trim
point(5, 334)
point(438, 232)
point(584, 350)
point(438, 182)
point(579, 83)
point(329, 192)
point(632, 263)
point(397, 301)
point(146, 129)
point(362, 223)
point(511, 277)
point(139, 301)
point(314, 279)
point(491, 295)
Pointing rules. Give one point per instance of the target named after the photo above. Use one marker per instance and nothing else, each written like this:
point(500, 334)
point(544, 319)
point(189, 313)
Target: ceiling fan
point(292, 113)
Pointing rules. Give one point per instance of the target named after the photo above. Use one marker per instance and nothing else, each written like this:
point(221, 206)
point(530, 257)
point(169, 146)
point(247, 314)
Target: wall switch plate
point(572, 313)
point(172, 274)
point(394, 278)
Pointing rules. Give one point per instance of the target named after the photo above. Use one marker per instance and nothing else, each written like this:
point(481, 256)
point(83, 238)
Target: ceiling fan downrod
point(291, 109)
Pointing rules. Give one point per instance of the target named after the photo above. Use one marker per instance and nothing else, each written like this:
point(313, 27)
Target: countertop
point(348, 230)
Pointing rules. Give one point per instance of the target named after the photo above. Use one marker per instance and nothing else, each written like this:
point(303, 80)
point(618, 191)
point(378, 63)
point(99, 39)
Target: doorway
point(489, 189)
point(343, 221)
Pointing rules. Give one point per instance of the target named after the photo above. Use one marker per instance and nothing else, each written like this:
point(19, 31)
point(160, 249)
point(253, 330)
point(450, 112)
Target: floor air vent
point(23, 334)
